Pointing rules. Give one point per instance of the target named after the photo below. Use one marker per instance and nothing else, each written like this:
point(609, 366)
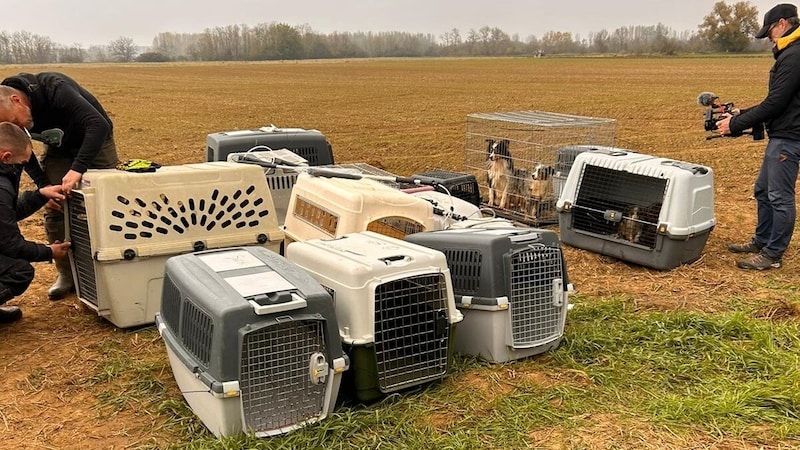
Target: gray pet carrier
point(511, 286)
point(252, 339)
point(309, 144)
point(656, 212)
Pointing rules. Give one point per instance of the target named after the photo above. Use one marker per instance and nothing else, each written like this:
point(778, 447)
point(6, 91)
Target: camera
point(714, 113)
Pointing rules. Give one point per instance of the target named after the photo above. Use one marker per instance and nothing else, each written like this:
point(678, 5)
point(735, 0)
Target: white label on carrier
point(230, 260)
point(259, 283)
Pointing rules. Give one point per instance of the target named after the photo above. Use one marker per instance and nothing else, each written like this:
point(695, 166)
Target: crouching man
point(16, 254)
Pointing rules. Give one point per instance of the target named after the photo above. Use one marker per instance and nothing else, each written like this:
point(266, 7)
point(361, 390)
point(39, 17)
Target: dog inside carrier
point(394, 305)
point(514, 154)
point(252, 340)
point(511, 286)
point(651, 211)
point(123, 226)
point(311, 145)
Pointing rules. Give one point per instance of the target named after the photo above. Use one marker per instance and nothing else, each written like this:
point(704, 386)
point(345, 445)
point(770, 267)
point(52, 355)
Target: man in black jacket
point(53, 100)
point(780, 111)
point(16, 254)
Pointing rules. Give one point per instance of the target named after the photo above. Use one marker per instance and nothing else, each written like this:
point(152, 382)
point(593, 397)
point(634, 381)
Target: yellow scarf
point(784, 42)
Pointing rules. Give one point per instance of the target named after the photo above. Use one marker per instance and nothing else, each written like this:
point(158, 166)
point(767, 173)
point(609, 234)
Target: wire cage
point(651, 211)
point(514, 157)
point(124, 226)
point(394, 305)
point(252, 341)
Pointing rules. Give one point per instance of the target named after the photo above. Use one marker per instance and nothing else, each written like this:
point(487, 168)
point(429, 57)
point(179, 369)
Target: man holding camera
point(780, 111)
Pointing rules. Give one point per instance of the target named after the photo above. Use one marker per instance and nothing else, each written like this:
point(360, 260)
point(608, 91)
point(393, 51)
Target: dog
point(540, 190)
point(499, 171)
point(630, 227)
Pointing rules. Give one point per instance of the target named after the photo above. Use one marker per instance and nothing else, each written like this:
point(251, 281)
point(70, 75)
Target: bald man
point(47, 100)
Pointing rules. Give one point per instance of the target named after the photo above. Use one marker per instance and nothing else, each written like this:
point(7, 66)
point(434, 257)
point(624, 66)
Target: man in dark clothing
point(16, 254)
point(780, 111)
point(53, 100)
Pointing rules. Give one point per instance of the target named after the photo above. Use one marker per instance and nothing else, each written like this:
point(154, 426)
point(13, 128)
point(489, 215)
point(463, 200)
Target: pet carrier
point(460, 185)
point(394, 305)
point(323, 207)
point(309, 144)
point(513, 155)
point(252, 341)
point(123, 226)
point(511, 286)
point(651, 211)
point(447, 209)
point(565, 157)
point(279, 179)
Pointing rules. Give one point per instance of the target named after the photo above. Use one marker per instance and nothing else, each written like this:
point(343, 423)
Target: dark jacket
point(15, 207)
point(58, 101)
point(780, 111)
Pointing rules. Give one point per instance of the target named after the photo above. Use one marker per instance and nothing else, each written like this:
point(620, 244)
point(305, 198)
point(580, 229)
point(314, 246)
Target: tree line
point(727, 28)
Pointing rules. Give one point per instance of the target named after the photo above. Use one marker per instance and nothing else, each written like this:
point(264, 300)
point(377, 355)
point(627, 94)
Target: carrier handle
point(695, 169)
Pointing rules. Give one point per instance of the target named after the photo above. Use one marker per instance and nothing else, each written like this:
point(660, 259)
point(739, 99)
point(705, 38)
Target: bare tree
point(727, 28)
point(122, 49)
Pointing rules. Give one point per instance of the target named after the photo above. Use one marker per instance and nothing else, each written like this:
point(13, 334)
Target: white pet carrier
point(123, 226)
point(323, 208)
point(394, 305)
point(651, 211)
point(279, 179)
point(511, 286)
point(448, 209)
point(252, 341)
point(309, 144)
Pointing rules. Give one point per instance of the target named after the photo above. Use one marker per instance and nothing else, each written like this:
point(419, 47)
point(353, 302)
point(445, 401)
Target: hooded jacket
point(780, 111)
point(58, 101)
point(15, 207)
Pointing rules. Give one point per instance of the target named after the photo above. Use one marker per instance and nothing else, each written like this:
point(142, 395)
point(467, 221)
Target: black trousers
point(15, 275)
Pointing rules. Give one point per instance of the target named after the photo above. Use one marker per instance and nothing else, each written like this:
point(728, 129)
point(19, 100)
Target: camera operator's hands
point(59, 249)
point(724, 124)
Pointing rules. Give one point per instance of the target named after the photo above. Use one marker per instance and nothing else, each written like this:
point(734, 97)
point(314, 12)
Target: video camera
point(714, 113)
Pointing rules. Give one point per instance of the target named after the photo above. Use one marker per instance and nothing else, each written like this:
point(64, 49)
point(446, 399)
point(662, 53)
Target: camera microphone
point(707, 99)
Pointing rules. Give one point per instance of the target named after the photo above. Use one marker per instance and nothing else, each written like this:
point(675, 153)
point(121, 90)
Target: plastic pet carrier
point(309, 144)
point(651, 211)
point(447, 209)
point(511, 286)
point(123, 226)
point(252, 340)
point(323, 208)
point(513, 155)
point(460, 185)
point(565, 157)
point(280, 180)
point(394, 305)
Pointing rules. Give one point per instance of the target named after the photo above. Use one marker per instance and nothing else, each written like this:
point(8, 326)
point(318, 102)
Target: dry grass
point(405, 116)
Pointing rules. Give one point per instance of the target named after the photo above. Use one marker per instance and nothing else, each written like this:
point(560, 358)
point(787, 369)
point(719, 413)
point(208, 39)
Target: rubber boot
point(8, 314)
point(64, 284)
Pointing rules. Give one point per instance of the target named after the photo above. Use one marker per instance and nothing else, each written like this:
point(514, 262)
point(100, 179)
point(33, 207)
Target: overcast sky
point(89, 22)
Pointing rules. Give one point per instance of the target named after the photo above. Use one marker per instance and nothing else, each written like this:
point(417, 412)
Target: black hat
point(782, 11)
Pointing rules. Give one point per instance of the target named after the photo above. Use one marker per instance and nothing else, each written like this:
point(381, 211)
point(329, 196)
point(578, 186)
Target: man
point(780, 111)
point(16, 254)
point(53, 100)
